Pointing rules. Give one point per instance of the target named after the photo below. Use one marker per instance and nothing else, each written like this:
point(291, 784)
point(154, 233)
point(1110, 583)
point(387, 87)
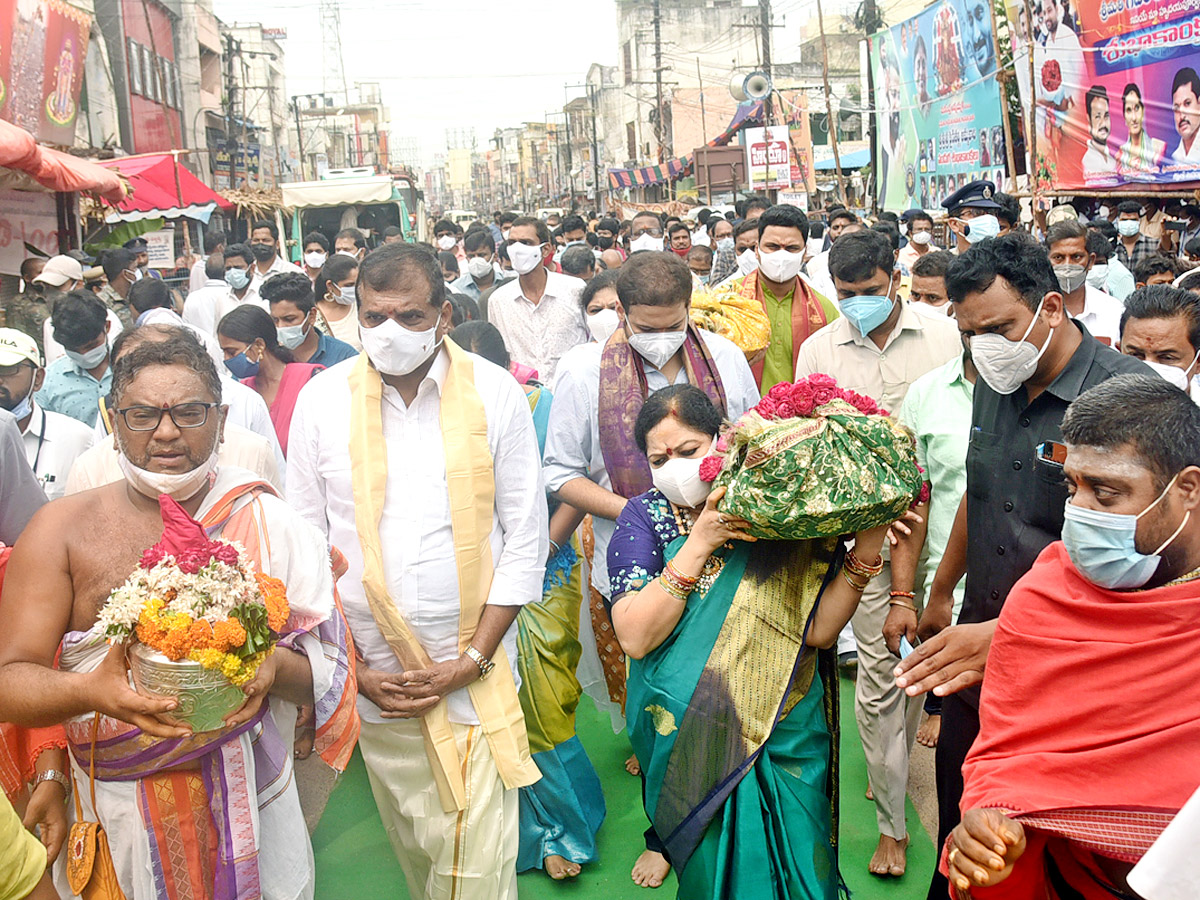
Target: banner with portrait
point(43, 46)
point(937, 105)
point(1116, 89)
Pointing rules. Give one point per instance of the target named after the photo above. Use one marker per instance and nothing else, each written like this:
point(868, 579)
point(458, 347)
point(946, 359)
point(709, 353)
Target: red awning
point(161, 187)
point(53, 169)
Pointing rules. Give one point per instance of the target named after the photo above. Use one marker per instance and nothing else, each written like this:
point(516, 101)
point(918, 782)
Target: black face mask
point(605, 242)
point(262, 252)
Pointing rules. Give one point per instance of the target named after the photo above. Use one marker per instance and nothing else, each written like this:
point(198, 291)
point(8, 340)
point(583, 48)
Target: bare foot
point(650, 869)
point(633, 767)
point(870, 793)
point(890, 857)
point(305, 732)
point(930, 731)
point(559, 868)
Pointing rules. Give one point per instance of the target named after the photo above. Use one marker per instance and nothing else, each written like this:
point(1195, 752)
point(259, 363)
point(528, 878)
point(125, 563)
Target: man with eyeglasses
point(52, 441)
point(538, 313)
point(76, 551)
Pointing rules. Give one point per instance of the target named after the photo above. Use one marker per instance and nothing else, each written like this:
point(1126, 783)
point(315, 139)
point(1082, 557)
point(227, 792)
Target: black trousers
point(960, 725)
point(653, 841)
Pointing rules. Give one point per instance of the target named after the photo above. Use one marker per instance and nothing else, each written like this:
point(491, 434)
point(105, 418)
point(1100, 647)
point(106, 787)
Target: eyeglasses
point(148, 418)
point(653, 232)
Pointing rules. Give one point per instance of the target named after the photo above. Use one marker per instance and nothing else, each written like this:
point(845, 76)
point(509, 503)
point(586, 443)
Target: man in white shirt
point(538, 313)
point(264, 245)
point(920, 237)
point(205, 308)
point(1100, 313)
point(199, 275)
point(420, 463)
point(153, 305)
point(1161, 327)
point(52, 441)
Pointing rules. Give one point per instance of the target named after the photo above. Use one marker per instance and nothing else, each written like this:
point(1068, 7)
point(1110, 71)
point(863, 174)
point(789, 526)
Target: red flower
point(767, 408)
point(801, 398)
point(780, 391)
point(822, 394)
point(723, 442)
point(710, 468)
point(883, 412)
point(225, 553)
point(863, 403)
point(152, 556)
point(923, 497)
point(787, 411)
point(820, 379)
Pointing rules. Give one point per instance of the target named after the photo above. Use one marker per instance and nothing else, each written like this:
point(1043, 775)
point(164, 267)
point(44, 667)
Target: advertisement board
point(160, 248)
point(769, 158)
point(937, 105)
point(1116, 90)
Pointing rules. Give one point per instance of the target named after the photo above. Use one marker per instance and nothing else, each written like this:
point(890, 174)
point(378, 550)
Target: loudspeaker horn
point(756, 86)
point(736, 89)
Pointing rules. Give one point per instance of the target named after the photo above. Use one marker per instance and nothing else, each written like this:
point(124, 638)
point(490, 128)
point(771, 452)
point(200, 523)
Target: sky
point(449, 65)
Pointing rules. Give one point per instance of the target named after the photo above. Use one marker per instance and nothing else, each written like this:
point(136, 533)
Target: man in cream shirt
point(402, 457)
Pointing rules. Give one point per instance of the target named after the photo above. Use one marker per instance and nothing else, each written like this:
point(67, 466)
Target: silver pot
point(205, 696)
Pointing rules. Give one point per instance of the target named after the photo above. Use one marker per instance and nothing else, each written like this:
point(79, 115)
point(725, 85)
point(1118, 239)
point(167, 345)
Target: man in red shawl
point(1089, 742)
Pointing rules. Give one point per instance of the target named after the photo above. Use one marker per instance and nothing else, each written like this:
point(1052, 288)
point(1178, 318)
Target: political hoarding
point(937, 104)
point(769, 158)
point(1116, 91)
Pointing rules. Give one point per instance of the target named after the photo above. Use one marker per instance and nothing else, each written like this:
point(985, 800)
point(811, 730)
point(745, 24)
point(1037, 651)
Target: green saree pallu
point(734, 720)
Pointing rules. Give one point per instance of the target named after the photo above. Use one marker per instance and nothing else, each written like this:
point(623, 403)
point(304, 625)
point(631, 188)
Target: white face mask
point(291, 336)
point(679, 480)
point(1006, 365)
point(314, 259)
point(645, 242)
point(603, 324)
point(780, 266)
point(353, 254)
point(1097, 276)
point(930, 311)
point(921, 238)
point(980, 228)
point(479, 267)
point(446, 242)
point(91, 359)
point(524, 258)
point(394, 350)
point(1172, 374)
point(747, 261)
point(657, 347)
point(179, 486)
point(344, 296)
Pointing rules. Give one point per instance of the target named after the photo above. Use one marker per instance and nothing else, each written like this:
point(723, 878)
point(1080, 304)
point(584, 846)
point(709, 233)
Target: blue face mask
point(1102, 545)
point(867, 312)
point(981, 228)
point(237, 278)
point(241, 367)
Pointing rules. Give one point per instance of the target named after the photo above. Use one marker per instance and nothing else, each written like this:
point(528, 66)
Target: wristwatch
point(57, 776)
point(485, 664)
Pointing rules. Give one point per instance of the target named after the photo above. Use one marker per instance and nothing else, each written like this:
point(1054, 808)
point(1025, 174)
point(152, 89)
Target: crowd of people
point(475, 466)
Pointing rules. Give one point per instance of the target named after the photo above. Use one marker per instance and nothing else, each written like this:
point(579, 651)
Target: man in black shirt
point(1033, 360)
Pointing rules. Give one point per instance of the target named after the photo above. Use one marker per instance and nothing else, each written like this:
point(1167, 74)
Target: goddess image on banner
point(1116, 91)
point(937, 104)
point(62, 79)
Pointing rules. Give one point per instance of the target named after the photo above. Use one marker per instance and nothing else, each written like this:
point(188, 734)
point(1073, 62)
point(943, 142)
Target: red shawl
point(1088, 718)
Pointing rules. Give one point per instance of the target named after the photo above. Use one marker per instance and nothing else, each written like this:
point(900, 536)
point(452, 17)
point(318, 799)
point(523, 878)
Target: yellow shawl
point(471, 485)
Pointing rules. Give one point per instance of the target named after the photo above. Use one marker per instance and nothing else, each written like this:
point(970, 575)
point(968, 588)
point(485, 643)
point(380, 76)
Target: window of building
point(148, 74)
point(627, 50)
point(631, 140)
point(134, 59)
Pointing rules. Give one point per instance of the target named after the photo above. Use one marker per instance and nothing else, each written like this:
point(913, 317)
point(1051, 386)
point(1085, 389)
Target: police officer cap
point(979, 194)
point(136, 244)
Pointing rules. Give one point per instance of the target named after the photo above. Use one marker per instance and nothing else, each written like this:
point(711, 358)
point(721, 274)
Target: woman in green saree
point(732, 690)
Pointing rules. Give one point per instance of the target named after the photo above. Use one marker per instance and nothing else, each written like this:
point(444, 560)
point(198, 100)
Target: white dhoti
point(463, 855)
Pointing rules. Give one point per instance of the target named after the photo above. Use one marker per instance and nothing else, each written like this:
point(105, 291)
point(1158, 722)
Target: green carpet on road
point(355, 860)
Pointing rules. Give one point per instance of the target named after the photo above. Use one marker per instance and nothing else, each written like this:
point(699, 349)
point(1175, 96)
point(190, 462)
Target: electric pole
point(764, 25)
point(658, 87)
